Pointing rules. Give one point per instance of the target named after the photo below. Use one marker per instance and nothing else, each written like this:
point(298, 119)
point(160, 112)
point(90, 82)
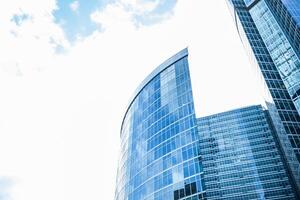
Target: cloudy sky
point(68, 68)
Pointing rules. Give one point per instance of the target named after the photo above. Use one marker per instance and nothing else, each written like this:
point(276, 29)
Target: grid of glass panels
point(287, 13)
point(159, 154)
point(288, 117)
point(241, 158)
point(249, 2)
point(280, 49)
point(293, 8)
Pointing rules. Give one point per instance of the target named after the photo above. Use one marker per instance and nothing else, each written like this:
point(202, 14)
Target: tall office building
point(159, 141)
point(166, 154)
point(270, 32)
point(241, 156)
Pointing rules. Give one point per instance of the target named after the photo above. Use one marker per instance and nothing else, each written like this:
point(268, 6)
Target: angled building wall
point(241, 156)
point(273, 47)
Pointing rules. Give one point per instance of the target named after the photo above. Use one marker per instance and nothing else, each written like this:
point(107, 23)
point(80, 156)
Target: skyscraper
point(159, 141)
point(241, 156)
point(270, 32)
point(167, 154)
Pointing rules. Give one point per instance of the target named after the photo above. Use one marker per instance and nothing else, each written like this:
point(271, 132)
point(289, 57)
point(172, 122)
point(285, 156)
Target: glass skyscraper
point(160, 156)
point(241, 156)
point(270, 31)
point(168, 154)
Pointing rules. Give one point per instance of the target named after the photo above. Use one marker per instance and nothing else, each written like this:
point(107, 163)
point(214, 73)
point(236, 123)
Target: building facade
point(270, 32)
point(241, 156)
point(160, 156)
point(168, 154)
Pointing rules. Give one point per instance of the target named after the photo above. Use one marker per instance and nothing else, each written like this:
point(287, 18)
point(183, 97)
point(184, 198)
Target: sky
point(68, 69)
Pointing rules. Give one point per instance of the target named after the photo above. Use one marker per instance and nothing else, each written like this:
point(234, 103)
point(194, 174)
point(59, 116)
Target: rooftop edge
point(181, 54)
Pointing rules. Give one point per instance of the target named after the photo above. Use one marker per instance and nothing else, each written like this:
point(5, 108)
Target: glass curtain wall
point(276, 62)
point(160, 156)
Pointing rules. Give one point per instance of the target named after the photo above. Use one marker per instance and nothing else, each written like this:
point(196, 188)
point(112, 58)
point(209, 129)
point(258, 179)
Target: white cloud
point(5, 186)
point(61, 125)
point(125, 13)
point(32, 43)
point(140, 6)
point(74, 6)
point(26, 146)
point(113, 15)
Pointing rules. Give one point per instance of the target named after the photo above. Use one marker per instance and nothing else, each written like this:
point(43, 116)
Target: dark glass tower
point(241, 156)
point(270, 31)
point(159, 141)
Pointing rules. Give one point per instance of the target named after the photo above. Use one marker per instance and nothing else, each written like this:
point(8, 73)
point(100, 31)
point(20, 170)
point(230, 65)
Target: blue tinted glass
point(248, 2)
point(240, 157)
point(271, 37)
point(157, 136)
point(293, 7)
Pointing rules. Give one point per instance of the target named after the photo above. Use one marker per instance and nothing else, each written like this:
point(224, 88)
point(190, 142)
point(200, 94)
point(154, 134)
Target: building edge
point(171, 60)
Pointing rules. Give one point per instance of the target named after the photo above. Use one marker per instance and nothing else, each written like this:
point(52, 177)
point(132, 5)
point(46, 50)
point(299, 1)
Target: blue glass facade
point(287, 13)
point(160, 156)
point(293, 9)
point(270, 33)
point(241, 156)
point(280, 48)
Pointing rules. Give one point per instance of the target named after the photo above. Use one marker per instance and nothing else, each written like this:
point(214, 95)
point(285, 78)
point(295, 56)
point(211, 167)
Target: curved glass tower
point(159, 142)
